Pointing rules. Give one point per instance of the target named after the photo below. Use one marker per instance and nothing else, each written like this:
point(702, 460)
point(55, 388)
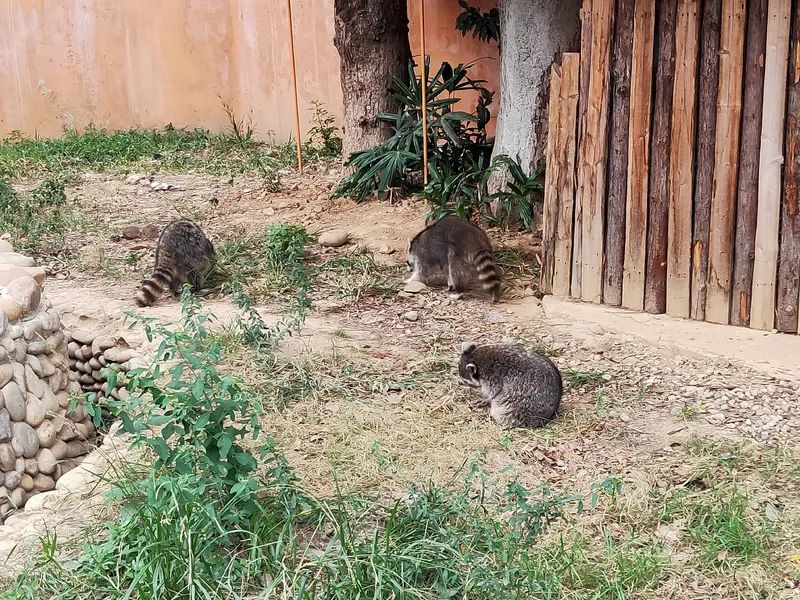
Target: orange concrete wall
point(146, 63)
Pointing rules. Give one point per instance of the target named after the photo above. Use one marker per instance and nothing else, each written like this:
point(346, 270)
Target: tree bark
point(789, 262)
point(532, 34)
point(706, 137)
point(655, 288)
point(618, 160)
point(749, 156)
point(371, 37)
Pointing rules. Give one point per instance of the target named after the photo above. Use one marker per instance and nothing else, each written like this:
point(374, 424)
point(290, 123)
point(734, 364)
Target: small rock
point(411, 315)
point(41, 483)
point(25, 436)
point(11, 308)
point(118, 355)
point(59, 449)
point(31, 330)
point(15, 403)
point(34, 363)
point(83, 337)
point(37, 347)
point(47, 461)
point(5, 426)
point(35, 412)
point(132, 232)
point(334, 238)
point(6, 372)
point(134, 178)
point(386, 249)
point(19, 260)
point(32, 467)
point(26, 483)
point(46, 433)
point(415, 287)
point(7, 458)
point(18, 497)
point(5, 247)
point(150, 232)
point(13, 479)
point(269, 211)
point(495, 318)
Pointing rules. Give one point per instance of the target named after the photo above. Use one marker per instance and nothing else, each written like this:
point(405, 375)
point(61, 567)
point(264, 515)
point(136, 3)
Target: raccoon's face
point(467, 369)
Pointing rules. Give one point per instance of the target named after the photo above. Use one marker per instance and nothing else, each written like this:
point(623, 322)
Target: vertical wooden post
point(551, 177)
point(789, 262)
point(762, 314)
point(424, 91)
point(706, 137)
point(655, 287)
point(583, 174)
point(618, 159)
point(294, 87)
point(593, 192)
point(567, 128)
point(726, 163)
point(638, 155)
point(681, 161)
point(747, 194)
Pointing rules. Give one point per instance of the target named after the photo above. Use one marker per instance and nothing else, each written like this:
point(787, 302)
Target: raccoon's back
point(182, 243)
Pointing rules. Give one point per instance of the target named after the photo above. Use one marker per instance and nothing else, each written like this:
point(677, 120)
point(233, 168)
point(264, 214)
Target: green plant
point(465, 192)
point(323, 141)
point(484, 26)
point(454, 137)
point(36, 220)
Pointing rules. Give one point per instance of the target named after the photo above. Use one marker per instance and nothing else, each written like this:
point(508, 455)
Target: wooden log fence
point(673, 161)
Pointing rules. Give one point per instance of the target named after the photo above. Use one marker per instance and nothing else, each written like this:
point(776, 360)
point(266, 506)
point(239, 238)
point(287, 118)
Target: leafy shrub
point(454, 137)
point(484, 26)
point(465, 193)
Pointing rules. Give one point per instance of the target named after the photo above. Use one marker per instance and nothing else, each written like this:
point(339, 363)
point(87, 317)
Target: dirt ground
point(653, 417)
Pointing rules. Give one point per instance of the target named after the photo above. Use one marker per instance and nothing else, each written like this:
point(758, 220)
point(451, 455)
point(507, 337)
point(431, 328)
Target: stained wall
point(147, 63)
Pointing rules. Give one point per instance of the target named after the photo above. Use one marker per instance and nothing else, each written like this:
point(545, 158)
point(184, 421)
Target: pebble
point(11, 308)
point(495, 318)
point(5, 426)
point(15, 403)
point(6, 372)
point(131, 232)
point(25, 436)
point(415, 287)
point(411, 315)
point(334, 238)
point(83, 337)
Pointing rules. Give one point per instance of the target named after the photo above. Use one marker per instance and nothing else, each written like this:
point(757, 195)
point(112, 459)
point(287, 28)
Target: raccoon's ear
point(472, 369)
point(467, 347)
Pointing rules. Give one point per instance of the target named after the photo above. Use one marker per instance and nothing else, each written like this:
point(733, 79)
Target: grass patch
point(234, 151)
point(204, 518)
point(36, 220)
point(577, 379)
point(275, 262)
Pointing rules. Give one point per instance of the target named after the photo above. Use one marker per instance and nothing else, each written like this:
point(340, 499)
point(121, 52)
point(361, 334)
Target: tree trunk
point(532, 34)
point(371, 37)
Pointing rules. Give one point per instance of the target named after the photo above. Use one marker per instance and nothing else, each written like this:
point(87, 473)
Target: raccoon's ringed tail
point(152, 289)
point(487, 273)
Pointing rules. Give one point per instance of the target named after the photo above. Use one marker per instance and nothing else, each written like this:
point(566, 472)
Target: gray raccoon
point(453, 252)
point(521, 387)
point(183, 255)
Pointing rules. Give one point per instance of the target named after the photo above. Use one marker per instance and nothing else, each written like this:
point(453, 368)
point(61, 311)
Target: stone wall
point(40, 437)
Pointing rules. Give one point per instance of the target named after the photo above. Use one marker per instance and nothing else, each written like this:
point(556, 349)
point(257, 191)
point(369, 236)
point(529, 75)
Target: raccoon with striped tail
point(522, 388)
point(183, 255)
point(453, 252)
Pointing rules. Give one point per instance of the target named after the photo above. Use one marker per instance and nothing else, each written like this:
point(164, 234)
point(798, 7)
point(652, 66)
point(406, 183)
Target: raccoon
point(183, 255)
point(521, 387)
point(455, 252)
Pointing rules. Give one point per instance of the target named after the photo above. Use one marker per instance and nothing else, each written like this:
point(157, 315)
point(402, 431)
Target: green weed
point(36, 220)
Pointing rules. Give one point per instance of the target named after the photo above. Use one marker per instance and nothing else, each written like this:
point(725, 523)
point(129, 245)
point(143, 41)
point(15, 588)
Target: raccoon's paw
point(456, 295)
